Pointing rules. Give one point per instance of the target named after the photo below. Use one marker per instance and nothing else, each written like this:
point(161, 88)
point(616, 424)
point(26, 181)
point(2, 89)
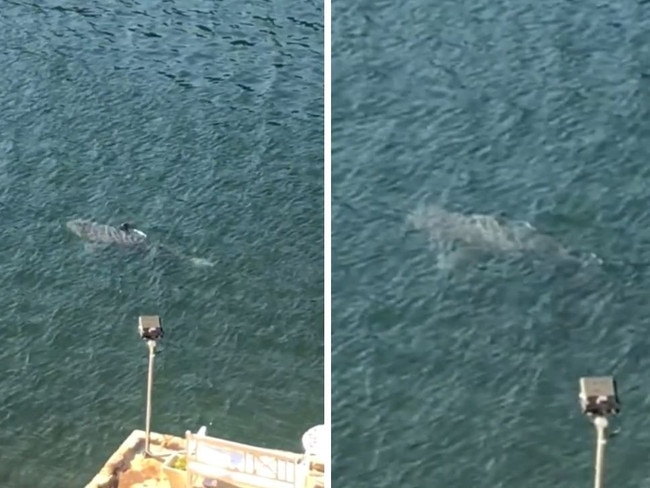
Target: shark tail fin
point(194, 260)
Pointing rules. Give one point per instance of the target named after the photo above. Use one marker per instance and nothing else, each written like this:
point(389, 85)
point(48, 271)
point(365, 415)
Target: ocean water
point(466, 374)
point(201, 123)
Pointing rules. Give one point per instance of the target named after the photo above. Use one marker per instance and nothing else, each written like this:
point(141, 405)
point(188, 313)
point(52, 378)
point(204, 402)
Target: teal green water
point(469, 376)
point(202, 123)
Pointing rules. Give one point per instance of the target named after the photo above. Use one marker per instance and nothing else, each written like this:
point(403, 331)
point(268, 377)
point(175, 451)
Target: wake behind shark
point(100, 235)
point(476, 233)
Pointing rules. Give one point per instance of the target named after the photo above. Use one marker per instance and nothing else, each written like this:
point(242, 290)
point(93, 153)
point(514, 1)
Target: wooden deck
point(129, 468)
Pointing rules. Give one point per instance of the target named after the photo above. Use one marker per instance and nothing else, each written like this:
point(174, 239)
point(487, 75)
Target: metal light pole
point(599, 399)
point(601, 439)
point(150, 330)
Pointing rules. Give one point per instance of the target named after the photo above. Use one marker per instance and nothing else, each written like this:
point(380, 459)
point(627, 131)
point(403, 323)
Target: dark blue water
point(469, 376)
point(202, 123)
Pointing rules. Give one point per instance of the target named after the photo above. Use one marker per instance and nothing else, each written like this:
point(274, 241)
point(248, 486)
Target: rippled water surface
point(201, 122)
point(466, 374)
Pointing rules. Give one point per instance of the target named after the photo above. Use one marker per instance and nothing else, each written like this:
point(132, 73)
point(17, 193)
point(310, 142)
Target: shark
point(475, 233)
point(97, 235)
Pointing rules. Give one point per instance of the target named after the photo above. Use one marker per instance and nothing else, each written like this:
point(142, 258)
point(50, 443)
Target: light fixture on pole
point(599, 400)
point(150, 330)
